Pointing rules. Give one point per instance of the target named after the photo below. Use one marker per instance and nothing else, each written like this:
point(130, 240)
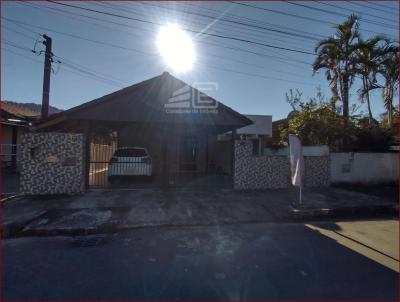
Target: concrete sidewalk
point(119, 210)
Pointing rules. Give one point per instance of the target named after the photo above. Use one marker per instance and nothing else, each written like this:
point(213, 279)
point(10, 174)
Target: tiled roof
point(148, 102)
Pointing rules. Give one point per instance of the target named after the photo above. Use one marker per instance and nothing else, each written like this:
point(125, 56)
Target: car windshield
point(131, 152)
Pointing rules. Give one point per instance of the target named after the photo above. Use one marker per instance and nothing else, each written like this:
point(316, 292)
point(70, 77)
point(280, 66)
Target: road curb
point(295, 215)
point(344, 212)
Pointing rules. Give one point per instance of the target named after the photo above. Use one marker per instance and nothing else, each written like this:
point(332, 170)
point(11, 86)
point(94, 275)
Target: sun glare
point(176, 48)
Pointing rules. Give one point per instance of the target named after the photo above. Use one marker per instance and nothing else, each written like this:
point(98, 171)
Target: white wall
point(262, 125)
point(365, 168)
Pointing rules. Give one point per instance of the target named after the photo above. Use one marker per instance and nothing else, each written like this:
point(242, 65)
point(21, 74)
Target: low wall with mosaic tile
point(253, 172)
point(52, 163)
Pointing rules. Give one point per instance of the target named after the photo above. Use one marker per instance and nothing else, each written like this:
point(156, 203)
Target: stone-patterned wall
point(317, 171)
point(52, 163)
point(273, 172)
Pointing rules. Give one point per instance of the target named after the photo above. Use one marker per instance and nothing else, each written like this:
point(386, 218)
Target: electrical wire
point(354, 11)
point(186, 29)
point(341, 15)
point(372, 6)
point(293, 15)
point(85, 70)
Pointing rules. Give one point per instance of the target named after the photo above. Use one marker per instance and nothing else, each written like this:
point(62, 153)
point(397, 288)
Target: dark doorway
point(188, 153)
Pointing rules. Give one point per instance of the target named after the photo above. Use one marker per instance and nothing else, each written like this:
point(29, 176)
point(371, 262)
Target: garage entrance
point(112, 166)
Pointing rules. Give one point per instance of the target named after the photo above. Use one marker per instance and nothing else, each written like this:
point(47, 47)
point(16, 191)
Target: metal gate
point(114, 167)
point(101, 153)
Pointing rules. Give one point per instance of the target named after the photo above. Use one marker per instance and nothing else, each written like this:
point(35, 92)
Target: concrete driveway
point(104, 211)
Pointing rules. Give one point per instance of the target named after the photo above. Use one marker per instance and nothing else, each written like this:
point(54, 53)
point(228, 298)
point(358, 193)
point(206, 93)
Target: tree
point(316, 122)
point(389, 69)
point(369, 57)
point(337, 55)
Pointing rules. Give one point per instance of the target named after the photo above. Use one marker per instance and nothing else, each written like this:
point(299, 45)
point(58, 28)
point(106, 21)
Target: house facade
point(178, 125)
point(15, 121)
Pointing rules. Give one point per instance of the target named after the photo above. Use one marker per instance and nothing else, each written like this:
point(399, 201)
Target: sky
point(254, 54)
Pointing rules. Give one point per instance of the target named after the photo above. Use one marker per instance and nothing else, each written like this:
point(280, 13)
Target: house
point(15, 120)
point(259, 132)
point(176, 123)
point(277, 125)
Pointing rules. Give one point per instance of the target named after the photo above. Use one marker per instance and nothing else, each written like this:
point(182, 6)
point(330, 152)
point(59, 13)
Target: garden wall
point(52, 163)
point(273, 171)
point(364, 168)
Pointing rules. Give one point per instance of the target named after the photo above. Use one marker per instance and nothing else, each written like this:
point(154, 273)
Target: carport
point(176, 123)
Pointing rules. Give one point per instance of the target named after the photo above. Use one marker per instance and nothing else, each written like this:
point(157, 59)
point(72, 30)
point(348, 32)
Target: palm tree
point(389, 69)
point(369, 57)
point(337, 55)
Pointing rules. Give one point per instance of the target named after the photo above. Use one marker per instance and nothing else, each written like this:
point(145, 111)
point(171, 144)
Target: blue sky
point(119, 55)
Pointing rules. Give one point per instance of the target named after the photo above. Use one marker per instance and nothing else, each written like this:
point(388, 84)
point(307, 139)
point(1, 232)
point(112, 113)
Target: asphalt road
point(331, 260)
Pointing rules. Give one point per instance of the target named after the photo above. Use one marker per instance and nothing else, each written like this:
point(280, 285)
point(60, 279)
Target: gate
point(113, 167)
point(101, 152)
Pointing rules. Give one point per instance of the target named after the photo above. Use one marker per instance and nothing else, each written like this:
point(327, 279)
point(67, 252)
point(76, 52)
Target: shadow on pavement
point(246, 262)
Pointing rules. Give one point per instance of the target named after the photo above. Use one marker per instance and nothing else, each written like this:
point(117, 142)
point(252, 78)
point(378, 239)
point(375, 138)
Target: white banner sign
point(296, 160)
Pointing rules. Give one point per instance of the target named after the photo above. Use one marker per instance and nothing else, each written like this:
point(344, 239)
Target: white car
point(129, 161)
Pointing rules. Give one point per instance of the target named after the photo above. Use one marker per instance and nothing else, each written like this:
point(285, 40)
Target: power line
point(341, 15)
point(241, 50)
point(288, 59)
point(102, 20)
point(189, 30)
point(77, 36)
point(16, 46)
point(83, 70)
point(70, 64)
point(71, 15)
point(257, 54)
point(382, 4)
point(293, 15)
point(373, 7)
point(242, 24)
point(355, 11)
point(221, 45)
point(26, 57)
point(256, 32)
point(218, 45)
point(258, 75)
point(70, 70)
point(152, 54)
point(18, 32)
point(256, 21)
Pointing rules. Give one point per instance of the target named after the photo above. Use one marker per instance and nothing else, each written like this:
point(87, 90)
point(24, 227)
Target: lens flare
point(176, 48)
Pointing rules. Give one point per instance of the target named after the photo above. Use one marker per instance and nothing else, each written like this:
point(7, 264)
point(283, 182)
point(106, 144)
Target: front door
point(188, 153)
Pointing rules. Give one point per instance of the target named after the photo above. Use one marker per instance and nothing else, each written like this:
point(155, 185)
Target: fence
point(9, 154)
point(364, 168)
point(273, 171)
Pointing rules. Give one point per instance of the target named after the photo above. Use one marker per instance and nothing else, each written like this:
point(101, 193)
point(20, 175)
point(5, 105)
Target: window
point(131, 152)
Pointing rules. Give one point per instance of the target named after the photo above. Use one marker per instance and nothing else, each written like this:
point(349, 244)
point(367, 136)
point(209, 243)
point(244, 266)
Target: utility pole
point(46, 76)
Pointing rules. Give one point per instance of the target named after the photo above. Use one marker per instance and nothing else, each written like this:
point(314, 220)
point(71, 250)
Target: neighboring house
point(15, 120)
point(276, 132)
point(176, 123)
point(259, 132)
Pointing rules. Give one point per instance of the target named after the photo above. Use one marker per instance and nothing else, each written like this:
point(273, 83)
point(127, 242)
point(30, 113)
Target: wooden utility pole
point(46, 76)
